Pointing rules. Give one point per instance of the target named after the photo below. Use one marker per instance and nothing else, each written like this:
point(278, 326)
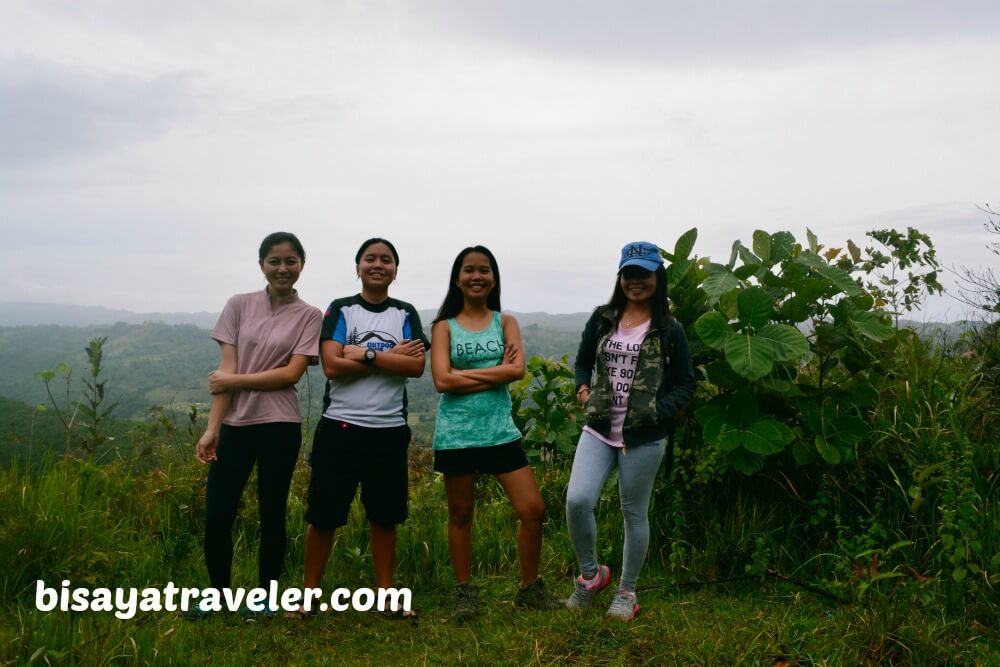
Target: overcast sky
point(147, 147)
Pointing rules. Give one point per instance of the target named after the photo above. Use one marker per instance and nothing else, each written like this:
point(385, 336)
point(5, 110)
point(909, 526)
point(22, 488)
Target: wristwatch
point(370, 356)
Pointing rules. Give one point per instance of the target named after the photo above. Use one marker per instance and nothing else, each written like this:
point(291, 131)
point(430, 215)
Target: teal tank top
point(481, 419)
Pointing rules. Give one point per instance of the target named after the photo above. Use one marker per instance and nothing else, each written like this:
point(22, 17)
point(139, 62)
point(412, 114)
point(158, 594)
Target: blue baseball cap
point(642, 254)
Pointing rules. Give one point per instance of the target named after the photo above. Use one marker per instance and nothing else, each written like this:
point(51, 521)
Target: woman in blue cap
point(633, 373)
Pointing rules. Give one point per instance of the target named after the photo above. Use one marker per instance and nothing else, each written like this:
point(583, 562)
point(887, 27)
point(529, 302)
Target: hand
point(409, 348)
point(220, 382)
point(582, 394)
point(354, 353)
point(204, 451)
point(510, 353)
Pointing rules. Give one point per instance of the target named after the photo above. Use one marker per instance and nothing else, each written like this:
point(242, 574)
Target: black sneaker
point(536, 596)
point(466, 602)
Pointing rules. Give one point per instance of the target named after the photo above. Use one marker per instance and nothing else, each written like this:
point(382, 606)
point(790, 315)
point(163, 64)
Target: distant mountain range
point(13, 314)
point(24, 313)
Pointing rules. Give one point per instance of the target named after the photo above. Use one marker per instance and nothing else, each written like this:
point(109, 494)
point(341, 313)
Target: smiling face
point(638, 284)
point(475, 278)
point(281, 266)
point(377, 267)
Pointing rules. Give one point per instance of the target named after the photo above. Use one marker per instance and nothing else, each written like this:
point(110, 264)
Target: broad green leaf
point(782, 244)
point(829, 453)
point(789, 343)
point(803, 453)
point(842, 279)
point(750, 356)
point(733, 255)
point(717, 284)
point(676, 272)
point(742, 410)
point(746, 256)
point(713, 428)
point(745, 271)
point(813, 243)
point(755, 307)
point(722, 375)
point(785, 388)
point(727, 304)
point(730, 439)
point(685, 244)
point(764, 437)
point(796, 309)
point(713, 329)
point(872, 325)
point(762, 245)
point(708, 412)
point(746, 462)
point(847, 430)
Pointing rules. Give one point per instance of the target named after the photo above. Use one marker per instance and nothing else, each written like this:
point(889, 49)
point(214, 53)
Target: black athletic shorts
point(495, 460)
point(345, 455)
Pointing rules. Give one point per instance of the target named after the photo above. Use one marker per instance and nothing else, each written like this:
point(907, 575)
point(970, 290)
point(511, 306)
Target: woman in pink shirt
point(267, 338)
point(633, 373)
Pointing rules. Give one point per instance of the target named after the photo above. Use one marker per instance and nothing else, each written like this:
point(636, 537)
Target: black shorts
point(345, 455)
point(495, 460)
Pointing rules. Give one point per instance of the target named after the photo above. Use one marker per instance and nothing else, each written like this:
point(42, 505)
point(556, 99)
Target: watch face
point(369, 355)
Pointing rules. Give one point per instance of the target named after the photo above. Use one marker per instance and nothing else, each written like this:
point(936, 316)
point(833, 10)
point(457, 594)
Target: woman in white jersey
point(370, 344)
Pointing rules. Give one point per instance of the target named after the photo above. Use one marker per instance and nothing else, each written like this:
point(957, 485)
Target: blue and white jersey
point(377, 400)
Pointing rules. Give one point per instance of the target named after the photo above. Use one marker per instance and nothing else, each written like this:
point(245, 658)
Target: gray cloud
point(50, 111)
point(700, 30)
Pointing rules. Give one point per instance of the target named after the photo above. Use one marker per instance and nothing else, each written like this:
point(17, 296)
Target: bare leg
point(522, 489)
point(318, 544)
point(383, 544)
point(461, 505)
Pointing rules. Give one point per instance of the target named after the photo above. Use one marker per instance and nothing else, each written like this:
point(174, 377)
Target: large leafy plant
point(789, 339)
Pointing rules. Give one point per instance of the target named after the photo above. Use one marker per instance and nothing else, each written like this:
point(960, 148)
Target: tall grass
point(892, 560)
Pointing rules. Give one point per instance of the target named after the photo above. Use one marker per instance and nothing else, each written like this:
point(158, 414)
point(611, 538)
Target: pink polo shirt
point(265, 339)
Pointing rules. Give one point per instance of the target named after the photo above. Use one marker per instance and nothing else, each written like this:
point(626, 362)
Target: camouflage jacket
point(663, 383)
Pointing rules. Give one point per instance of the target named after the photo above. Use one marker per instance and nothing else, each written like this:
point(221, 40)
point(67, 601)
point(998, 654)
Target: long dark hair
point(659, 307)
point(453, 300)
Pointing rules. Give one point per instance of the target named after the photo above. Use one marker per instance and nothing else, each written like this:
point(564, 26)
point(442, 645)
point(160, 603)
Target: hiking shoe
point(198, 612)
point(536, 596)
point(250, 616)
point(466, 602)
point(586, 590)
point(624, 606)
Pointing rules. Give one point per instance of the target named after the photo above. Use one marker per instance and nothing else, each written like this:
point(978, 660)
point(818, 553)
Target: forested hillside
point(164, 366)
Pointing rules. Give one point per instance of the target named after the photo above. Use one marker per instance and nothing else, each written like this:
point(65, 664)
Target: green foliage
point(546, 410)
point(773, 388)
point(94, 407)
point(911, 253)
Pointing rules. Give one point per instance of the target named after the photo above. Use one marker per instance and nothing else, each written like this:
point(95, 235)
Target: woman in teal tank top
point(475, 353)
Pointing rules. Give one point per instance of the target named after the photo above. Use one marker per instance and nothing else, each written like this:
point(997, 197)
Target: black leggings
point(274, 448)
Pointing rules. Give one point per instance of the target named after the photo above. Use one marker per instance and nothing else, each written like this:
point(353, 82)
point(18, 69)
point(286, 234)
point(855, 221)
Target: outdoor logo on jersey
point(375, 340)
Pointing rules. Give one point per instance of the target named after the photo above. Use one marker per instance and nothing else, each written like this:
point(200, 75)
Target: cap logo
point(635, 251)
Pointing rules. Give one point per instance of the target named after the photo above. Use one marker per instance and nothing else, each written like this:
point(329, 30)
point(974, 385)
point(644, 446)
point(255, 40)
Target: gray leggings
point(636, 472)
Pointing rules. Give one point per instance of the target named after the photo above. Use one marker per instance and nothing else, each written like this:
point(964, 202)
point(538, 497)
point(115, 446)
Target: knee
point(578, 505)
point(532, 511)
point(460, 515)
point(219, 517)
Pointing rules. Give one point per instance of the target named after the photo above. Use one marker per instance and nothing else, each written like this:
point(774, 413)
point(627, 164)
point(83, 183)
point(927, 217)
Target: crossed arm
point(344, 361)
point(468, 381)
